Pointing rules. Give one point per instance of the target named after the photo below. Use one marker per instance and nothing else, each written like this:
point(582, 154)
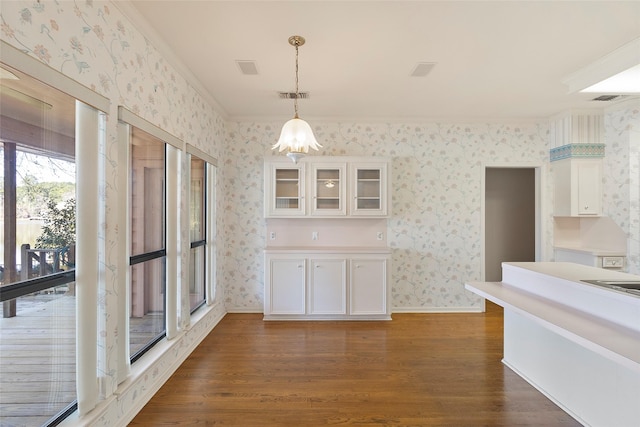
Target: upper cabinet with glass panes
point(320, 186)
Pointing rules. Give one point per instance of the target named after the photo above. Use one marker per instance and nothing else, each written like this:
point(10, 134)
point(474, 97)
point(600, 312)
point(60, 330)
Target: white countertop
point(569, 271)
point(327, 250)
point(592, 251)
point(552, 294)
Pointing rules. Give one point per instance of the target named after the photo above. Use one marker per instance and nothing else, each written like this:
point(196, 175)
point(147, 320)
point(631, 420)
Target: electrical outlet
point(314, 235)
point(380, 235)
point(272, 235)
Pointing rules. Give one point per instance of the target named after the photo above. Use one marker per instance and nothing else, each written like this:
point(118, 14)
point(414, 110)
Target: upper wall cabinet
point(284, 189)
point(578, 187)
point(326, 187)
point(576, 162)
point(369, 188)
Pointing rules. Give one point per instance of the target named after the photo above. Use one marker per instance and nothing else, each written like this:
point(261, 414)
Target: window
point(202, 228)
point(197, 233)
point(37, 251)
point(148, 247)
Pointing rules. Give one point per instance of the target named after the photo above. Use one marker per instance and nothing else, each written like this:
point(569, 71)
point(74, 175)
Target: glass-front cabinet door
point(369, 189)
point(329, 188)
point(285, 184)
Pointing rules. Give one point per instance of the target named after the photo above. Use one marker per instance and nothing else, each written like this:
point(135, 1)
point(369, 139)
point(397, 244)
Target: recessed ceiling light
point(422, 69)
point(627, 81)
point(248, 68)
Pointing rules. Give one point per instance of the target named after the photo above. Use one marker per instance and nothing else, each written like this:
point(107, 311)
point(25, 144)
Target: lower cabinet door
point(286, 287)
point(327, 286)
point(368, 287)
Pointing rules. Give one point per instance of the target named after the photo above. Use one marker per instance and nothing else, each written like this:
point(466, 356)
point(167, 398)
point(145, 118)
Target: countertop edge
point(328, 249)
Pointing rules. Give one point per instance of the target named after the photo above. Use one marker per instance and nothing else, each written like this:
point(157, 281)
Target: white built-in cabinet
point(326, 285)
point(578, 187)
point(326, 187)
point(287, 285)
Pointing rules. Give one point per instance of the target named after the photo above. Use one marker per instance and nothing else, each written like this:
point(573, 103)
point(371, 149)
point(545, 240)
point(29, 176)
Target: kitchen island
point(576, 342)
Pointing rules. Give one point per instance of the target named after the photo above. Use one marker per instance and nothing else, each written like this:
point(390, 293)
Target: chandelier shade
point(296, 136)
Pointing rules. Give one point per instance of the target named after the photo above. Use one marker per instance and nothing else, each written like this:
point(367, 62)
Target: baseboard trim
point(240, 310)
point(437, 310)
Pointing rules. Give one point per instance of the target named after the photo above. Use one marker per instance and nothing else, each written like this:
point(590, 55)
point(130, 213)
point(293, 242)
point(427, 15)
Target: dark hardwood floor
point(416, 370)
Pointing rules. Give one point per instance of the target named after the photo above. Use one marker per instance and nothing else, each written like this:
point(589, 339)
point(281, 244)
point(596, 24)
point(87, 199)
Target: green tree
point(59, 229)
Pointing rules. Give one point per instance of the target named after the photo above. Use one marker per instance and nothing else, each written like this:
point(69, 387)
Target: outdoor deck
point(38, 358)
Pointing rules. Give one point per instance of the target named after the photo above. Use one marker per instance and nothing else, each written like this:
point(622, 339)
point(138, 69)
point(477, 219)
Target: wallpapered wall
point(94, 44)
point(621, 199)
point(435, 228)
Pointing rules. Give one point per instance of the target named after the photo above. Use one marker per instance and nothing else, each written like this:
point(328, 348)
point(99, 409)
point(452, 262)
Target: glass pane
point(328, 186)
point(196, 276)
point(287, 174)
point(196, 210)
point(369, 174)
point(285, 203)
point(147, 193)
point(368, 189)
point(147, 303)
point(287, 189)
point(37, 239)
point(368, 203)
point(38, 366)
point(328, 203)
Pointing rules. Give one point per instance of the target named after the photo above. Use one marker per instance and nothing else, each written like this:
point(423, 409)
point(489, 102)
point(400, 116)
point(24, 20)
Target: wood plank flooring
point(416, 370)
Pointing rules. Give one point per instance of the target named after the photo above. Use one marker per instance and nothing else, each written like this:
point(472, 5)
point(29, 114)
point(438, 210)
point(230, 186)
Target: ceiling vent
point(422, 69)
point(292, 95)
point(607, 97)
point(248, 68)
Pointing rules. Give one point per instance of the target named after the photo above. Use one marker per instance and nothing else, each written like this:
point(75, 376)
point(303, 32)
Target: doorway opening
point(511, 217)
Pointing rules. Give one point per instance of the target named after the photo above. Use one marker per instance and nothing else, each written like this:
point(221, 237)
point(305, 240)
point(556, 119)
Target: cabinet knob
point(358, 266)
point(299, 266)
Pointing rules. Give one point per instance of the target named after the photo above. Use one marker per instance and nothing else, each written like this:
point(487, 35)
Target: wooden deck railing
point(38, 262)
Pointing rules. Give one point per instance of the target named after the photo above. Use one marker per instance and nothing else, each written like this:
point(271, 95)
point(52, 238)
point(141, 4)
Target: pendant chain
point(295, 100)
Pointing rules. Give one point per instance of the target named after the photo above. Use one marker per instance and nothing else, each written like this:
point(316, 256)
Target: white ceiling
point(498, 60)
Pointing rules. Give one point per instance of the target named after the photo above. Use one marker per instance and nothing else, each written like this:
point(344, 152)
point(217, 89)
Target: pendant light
point(296, 135)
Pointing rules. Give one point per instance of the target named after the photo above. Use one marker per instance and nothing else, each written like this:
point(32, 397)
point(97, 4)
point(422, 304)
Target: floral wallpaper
point(435, 227)
point(621, 198)
point(93, 43)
